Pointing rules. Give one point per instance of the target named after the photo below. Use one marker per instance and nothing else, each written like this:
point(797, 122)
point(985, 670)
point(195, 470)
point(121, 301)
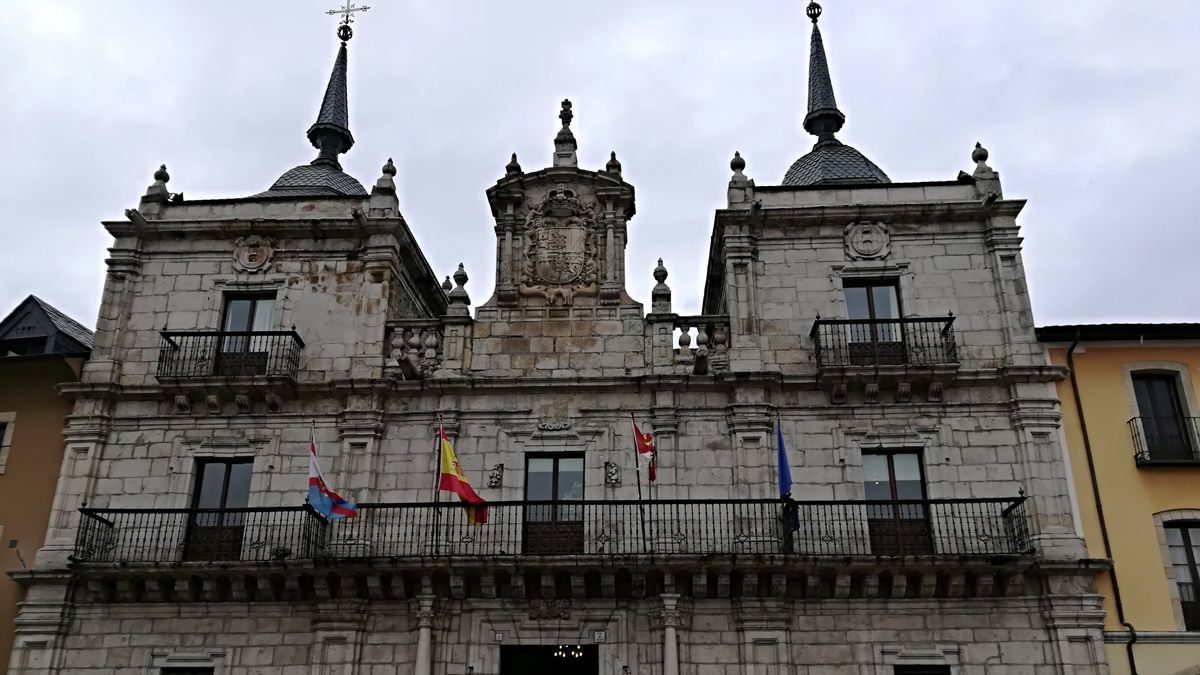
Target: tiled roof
point(66, 324)
point(335, 113)
point(314, 180)
point(834, 163)
point(1100, 332)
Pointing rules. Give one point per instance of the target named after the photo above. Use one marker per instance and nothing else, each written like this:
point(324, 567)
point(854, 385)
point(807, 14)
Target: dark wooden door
point(1164, 425)
point(215, 534)
point(554, 527)
point(896, 529)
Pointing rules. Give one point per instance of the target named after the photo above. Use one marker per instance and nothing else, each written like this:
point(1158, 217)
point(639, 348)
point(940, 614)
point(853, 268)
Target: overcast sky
point(1089, 109)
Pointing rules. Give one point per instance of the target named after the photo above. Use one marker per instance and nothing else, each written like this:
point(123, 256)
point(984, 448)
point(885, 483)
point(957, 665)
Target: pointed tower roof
point(831, 162)
point(331, 136)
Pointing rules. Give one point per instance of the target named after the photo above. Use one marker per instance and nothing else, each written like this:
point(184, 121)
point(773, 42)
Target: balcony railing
point(1166, 440)
point(951, 527)
point(229, 354)
point(884, 342)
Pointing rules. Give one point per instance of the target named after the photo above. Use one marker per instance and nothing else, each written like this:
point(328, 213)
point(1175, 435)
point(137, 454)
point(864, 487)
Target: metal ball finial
point(345, 32)
point(813, 11)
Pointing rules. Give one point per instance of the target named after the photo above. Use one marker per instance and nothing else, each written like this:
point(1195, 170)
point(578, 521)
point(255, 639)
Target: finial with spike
point(513, 167)
point(344, 31)
point(980, 156)
point(386, 183)
point(157, 191)
point(660, 297)
point(614, 165)
point(564, 143)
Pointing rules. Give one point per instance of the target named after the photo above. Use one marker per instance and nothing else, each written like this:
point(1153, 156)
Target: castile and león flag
point(322, 499)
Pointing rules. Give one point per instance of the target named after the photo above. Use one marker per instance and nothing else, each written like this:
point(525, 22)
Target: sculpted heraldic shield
point(560, 249)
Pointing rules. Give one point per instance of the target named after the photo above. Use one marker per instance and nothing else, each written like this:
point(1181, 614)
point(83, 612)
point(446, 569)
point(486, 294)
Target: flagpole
point(437, 475)
point(637, 473)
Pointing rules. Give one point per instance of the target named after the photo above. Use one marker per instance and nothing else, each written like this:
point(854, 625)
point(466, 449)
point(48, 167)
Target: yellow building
point(40, 349)
point(1132, 425)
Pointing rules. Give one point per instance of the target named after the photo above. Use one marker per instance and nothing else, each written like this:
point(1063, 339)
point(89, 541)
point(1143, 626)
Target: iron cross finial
point(345, 32)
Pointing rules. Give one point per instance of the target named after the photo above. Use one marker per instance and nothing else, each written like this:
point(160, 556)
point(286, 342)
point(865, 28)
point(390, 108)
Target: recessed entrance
point(549, 660)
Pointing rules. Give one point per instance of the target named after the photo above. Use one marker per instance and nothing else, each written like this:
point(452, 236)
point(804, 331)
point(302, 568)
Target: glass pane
point(1175, 536)
point(886, 305)
point(237, 314)
point(264, 310)
point(876, 478)
point(539, 479)
point(570, 479)
point(208, 492)
point(908, 477)
point(237, 496)
point(856, 304)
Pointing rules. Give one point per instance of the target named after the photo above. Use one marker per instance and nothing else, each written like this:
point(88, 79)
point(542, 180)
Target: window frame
point(255, 297)
point(871, 283)
point(556, 456)
point(202, 462)
point(1185, 403)
point(921, 669)
point(8, 425)
point(1193, 563)
point(890, 453)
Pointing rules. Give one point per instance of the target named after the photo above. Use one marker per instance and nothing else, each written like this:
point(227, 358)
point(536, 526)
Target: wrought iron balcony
point(193, 355)
point(884, 342)
point(1165, 441)
point(950, 527)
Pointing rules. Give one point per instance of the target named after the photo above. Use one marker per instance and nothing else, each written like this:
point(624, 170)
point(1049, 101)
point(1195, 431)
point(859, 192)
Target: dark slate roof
point(66, 324)
point(834, 163)
point(1118, 332)
point(335, 111)
point(820, 84)
point(314, 180)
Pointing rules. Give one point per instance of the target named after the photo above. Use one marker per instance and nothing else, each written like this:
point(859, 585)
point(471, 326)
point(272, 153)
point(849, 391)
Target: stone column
point(670, 621)
point(424, 665)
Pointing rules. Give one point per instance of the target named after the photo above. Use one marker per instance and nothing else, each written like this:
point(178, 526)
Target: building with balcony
point(41, 348)
point(1129, 412)
point(884, 327)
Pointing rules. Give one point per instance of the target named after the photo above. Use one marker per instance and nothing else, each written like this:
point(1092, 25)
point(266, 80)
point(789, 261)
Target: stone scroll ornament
point(560, 249)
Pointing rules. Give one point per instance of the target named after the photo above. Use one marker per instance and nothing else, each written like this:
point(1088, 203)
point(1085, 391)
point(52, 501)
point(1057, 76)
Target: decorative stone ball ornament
point(866, 241)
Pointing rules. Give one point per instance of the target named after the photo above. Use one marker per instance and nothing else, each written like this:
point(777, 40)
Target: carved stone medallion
point(253, 253)
point(867, 240)
point(560, 249)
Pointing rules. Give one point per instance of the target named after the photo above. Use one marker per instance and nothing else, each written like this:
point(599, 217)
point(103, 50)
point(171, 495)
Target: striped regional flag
point(326, 502)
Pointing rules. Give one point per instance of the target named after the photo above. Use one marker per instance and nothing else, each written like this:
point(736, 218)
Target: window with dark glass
point(896, 529)
point(876, 335)
point(188, 671)
point(556, 527)
point(214, 531)
point(1183, 544)
point(241, 352)
point(1165, 429)
point(921, 670)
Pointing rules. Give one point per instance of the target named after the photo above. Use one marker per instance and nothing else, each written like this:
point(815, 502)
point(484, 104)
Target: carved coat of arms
point(253, 253)
point(867, 240)
point(560, 249)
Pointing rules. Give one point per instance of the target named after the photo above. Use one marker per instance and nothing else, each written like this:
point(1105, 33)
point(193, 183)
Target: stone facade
point(360, 347)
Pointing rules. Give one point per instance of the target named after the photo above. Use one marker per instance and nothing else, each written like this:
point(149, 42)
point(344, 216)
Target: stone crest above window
point(559, 261)
point(867, 241)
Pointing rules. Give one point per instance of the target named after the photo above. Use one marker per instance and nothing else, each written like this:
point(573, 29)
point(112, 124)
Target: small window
point(242, 352)
point(6, 434)
point(1166, 432)
point(1183, 543)
point(189, 671)
point(921, 670)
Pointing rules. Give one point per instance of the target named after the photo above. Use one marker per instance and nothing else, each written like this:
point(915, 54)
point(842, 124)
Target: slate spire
point(823, 119)
point(331, 132)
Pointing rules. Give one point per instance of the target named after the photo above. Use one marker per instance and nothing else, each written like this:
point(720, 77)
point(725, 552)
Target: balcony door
point(1183, 541)
point(896, 529)
point(214, 535)
point(1160, 409)
point(554, 528)
point(877, 337)
point(245, 354)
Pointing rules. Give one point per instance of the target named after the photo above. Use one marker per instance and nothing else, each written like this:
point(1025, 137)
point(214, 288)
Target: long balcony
point(192, 356)
point(893, 352)
point(1166, 441)
point(976, 528)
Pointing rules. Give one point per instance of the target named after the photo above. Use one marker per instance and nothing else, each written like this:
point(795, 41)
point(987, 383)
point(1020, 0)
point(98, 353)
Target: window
point(876, 334)
point(554, 528)
point(1183, 543)
point(896, 529)
point(214, 533)
point(242, 354)
point(7, 420)
point(921, 670)
point(188, 671)
point(1165, 430)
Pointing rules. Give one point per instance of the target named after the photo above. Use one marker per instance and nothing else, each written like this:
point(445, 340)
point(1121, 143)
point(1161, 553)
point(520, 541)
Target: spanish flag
point(453, 480)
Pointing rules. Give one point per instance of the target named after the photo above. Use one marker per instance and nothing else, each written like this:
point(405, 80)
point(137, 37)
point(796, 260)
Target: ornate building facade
point(885, 327)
